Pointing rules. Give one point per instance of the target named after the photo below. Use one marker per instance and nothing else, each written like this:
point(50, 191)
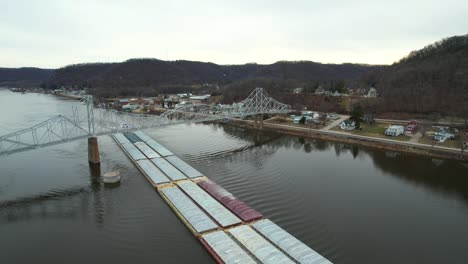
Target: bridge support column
point(258, 121)
point(93, 151)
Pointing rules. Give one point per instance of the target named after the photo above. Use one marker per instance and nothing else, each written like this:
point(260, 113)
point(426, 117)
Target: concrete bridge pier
point(93, 152)
point(258, 121)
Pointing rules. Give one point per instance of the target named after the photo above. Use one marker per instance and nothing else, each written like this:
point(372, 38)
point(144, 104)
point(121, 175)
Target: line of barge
point(229, 229)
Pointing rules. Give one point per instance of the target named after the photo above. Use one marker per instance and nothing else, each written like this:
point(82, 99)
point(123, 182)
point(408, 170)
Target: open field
point(449, 143)
point(373, 130)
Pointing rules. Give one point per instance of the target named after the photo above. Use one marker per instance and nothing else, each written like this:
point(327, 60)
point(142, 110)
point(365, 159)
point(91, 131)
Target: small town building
point(348, 124)
point(411, 127)
point(298, 90)
point(336, 93)
point(184, 95)
point(320, 90)
point(443, 135)
point(123, 101)
point(372, 92)
point(395, 130)
point(201, 97)
point(311, 114)
point(130, 107)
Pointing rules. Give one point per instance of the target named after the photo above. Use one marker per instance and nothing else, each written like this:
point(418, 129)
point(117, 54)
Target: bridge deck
point(228, 228)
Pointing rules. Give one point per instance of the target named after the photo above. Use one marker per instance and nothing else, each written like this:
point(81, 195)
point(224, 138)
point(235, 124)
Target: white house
point(372, 92)
point(320, 90)
point(394, 130)
point(298, 90)
point(336, 93)
point(201, 97)
point(443, 135)
point(311, 114)
point(348, 124)
point(184, 95)
point(130, 107)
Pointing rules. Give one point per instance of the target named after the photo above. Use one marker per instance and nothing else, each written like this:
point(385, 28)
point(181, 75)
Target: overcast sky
point(55, 33)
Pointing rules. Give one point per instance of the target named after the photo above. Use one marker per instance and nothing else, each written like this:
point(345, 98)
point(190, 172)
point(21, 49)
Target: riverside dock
point(229, 229)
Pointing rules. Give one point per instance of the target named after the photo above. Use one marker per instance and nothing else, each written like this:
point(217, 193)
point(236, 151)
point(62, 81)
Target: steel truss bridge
point(94, 118)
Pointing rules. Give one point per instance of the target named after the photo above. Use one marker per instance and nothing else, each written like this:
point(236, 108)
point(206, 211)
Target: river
point(350, 203)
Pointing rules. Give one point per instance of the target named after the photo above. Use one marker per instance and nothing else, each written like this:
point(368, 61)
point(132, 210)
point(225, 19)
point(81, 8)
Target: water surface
point(352, 204)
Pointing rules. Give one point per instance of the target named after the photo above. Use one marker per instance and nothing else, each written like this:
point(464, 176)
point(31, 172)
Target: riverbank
point(338, 136)
point(68, 96)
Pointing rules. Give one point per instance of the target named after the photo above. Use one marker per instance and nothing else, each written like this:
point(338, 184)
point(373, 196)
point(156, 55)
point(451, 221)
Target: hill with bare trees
point(433, 79)
point(152, 76)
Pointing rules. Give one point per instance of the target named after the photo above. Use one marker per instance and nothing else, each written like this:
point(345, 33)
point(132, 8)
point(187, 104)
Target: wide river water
point(350, 203)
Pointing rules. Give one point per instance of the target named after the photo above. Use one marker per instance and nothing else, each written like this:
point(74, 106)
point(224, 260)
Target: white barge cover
point(259, 246)
point(142, 136)
point(153, 173)
point(133, 152)
point(288, 243)
point(192, 213)
point(227, 249)
point(216, 210)
point(159, 148)
point(146, 150)
point(168, 169)
point(121, 138)
point(184, 167)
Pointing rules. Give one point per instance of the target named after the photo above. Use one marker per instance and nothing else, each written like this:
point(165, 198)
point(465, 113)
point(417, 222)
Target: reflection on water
point(353, 204)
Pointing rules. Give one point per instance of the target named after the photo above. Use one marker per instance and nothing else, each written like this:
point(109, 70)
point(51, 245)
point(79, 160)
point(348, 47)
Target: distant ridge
point(154, 73)
point(432, 79)
point(24, 77)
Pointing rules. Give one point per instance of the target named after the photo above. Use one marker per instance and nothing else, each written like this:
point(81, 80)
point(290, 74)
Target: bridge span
point(94, 118)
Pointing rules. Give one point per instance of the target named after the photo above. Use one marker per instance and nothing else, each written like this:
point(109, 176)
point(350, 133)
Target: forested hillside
point(24, 77)
point(433, 79)
point(153, 76)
